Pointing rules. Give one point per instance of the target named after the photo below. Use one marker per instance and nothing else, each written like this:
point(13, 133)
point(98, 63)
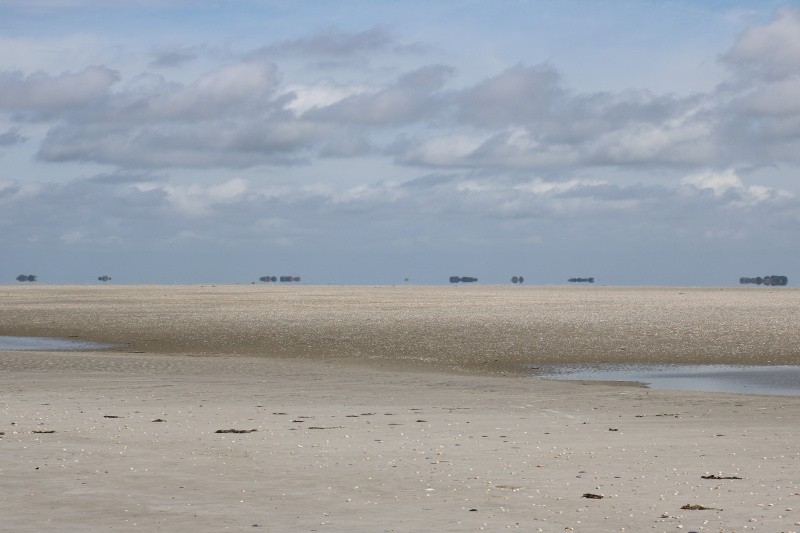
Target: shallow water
point(770, 380)
point(46, 344)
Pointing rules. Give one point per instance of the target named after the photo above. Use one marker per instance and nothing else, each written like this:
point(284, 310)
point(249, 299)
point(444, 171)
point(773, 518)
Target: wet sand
point(385, 409)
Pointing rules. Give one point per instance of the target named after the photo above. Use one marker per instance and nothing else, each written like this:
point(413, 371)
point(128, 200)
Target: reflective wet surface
point(772, 380)
point(47, 343)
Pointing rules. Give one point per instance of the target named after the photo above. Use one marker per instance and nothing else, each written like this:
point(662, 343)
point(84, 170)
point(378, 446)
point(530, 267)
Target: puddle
point(771, 380)
point(47, 344)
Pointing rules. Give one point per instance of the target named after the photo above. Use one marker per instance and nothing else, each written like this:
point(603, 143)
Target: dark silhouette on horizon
point(282, 279)
point(773, 281)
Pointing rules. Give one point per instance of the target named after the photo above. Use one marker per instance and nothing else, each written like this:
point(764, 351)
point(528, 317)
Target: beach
point(316, 408)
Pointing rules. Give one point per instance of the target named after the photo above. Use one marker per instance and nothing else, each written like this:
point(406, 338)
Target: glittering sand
point(387, 409)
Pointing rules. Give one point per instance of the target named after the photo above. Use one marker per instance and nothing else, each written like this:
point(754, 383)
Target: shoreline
point(765, 380)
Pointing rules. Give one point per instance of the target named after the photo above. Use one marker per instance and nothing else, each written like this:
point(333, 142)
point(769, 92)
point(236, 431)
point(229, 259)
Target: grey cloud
point(332, 43)
point(121, 178)
point(236, 89)
point(173, 58)
point(759, 108)
point(775, 99)
point(141, 88)
point(747, 209)
point(82, 208)
point(770, 51)
point(42, 92)
point(430, 181)
point(345, 145)
point(517, 96)
point(524, 118)
point(412, 98)
point(229, 117)
point(136, 214)
point(636, 144)
point(218, 143)
point(12, 137)
point(759, 138)
point(521, 119)
point(534, 97)
point(242, 89)
point(436, 209)
point(8, 191)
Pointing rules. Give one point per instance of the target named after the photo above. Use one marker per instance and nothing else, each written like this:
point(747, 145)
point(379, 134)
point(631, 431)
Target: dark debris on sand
point(697, 507)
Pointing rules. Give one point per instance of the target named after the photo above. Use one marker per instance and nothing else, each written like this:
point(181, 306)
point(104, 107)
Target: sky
point(373, 142)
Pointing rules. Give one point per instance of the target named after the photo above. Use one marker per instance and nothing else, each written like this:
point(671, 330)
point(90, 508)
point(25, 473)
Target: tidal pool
point(46, 344)
point(770, 380)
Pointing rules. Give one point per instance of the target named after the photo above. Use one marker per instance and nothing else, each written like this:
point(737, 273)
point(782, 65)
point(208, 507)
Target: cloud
point(583, 131)
point(234, 144)
point(412, 98)
point(117, 178)
point(231, 116)
point(42, 92)
point(232, 90)
point(769, 51)
point(174, 57)
point(244, 114)
point(758, 109)
point(717, 182)
point(248, 112)
point(197, 201)
point(525, 118)
point(517, 96)
point(679, 142)
point(729, 186)
point(332, 43)
point(433, 214)
point(322, 94)
point(347, 145)
point(12, 193)
point(238, 115)
point(12, 137)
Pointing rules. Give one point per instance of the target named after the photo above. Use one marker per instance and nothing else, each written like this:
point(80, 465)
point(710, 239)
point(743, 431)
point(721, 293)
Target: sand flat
point(453, 327)
point(388, 438)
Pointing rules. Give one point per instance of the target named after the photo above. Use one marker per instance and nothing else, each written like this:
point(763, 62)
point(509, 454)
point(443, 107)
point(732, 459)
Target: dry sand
point(384, 409)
